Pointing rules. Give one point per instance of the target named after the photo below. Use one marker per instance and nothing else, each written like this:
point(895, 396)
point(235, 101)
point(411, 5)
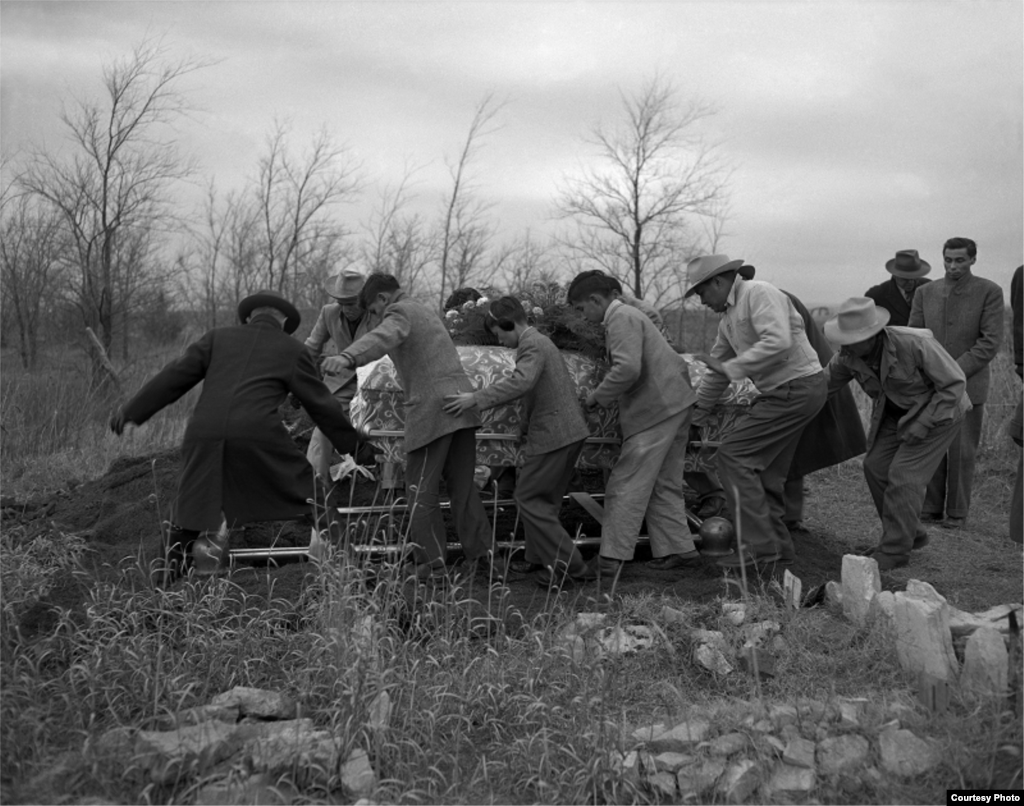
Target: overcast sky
point(855, 128)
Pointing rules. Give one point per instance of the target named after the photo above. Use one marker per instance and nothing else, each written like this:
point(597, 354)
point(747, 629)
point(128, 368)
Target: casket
point(378, 410)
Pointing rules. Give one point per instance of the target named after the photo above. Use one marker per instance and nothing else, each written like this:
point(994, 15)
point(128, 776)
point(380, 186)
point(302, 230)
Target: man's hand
point(118, 421)
point(460, 403)
point(590, 402)
point(713, 363)
point(915, 434)
point(336, 364)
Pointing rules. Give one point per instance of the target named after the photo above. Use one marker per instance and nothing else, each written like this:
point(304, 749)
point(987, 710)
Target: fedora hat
point(858, 319)
point(746, 271)
point(703, 268)
point(907, 265)
point(267, 298)
point(345, 286)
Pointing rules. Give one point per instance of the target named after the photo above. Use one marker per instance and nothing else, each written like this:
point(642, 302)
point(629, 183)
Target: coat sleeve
point(713, 384)
point(319, 335)
point(529, 363)
point(990, 333)
point(393, 329)
point(625, 340)
point(322, 406)
point(769, 315)
point(949, 380)
point(917, 310)
point(172, 382)
point(837, 375)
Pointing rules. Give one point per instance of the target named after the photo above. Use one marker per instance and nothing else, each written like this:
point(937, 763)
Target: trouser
point(452, 458)
point(793, 493)
point(320, 450)
point(949, 489)
point(896, 474)
point(1017, 499)
point(543, 480)
point(647, 481)
point(754, 460)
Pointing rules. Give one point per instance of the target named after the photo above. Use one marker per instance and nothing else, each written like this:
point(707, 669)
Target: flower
point(468, 305)
point(451, 314)
point(537, 310)
point(482, 301)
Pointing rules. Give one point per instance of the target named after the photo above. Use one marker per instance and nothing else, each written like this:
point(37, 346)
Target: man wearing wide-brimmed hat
point(920, 399)
point(761, 336)
point(897, 293)
point(239, 463)
point(341, 322)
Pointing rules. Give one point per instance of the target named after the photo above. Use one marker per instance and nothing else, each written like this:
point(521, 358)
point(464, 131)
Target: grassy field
point(487, 708)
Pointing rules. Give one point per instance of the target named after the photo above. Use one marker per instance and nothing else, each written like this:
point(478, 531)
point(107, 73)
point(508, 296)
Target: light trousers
point(949, 489)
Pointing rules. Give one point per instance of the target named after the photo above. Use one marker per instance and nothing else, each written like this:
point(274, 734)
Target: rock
point(648, 732)
point(663, 783)
point(294, 745)
point(713, 638)
point(712, 659)
point(173, 756)
point(790, 732)
point(903, 753)
point(670, 615)
point(793, 587)
point(883, 610)
point(670, 761)
point(257, 702)
point(695, 780)
point(783, 715)
point(204, 713)
point(986, 664)
point(116, 746)
point(263, 789)
point(850, 711)
point(739, 781)
point(790, 781)
point(727, 744)
point(763, 726)
point(922, 590)
point(799, 752)
point(778, 645)
point(627, 766)
point(861, 583)
point(834, 593)
point(590, 621)
point(961, 623)
point(839, 754)
point(923, 642)
point(734, 612)
point(757, 661)
point(626, 640)
point(775, 743)
point(379, 716)
point(811, 710)
point(679, 738)
point(757, 634)
point(357, 775)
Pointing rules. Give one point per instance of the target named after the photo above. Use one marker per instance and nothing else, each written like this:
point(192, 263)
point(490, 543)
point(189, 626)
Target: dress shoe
point(524, 566)
point(930, 517)
point(887, 562)
point(953, 523)
point(796, 526)
point(670, 562)
point(921, 541)
point(734, 560)
point(545, 578)
point(606, 567)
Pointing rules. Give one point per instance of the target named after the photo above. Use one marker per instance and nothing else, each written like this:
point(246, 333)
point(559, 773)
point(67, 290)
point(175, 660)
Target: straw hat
point(703, 268)
point(858, 319)
point(345, 286)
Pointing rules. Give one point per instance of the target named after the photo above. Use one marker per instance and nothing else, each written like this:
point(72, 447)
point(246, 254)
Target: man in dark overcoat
point(239, 464)
point(897, 293)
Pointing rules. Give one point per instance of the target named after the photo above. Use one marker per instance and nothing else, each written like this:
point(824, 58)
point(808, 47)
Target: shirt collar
point(738, 284)
point(615, 303)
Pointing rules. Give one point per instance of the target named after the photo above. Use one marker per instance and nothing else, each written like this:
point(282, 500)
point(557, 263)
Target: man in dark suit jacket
point(965, 314)
point(239, 464)
point(897, 293)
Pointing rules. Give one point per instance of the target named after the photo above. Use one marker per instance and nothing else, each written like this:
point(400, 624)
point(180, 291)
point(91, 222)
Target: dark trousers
point(754, 460)
point(452, 458)
point(949, 490)
point(543, 480)
point(897, 473)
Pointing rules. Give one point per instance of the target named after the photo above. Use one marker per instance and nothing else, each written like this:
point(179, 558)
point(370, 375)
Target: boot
point(177, 555)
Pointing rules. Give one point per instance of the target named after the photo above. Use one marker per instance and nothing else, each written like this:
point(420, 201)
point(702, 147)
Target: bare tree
point(463, 234)
point(113, 190)
point(398, 243)
point(655, 173)
point(523, 263)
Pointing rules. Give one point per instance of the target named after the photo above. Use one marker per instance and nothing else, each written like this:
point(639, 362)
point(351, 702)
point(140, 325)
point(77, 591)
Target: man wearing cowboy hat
point(920, 399)
point(341, 322)
point(897, 293)
point(239, 464)
point(761, 336)
point(965, 312)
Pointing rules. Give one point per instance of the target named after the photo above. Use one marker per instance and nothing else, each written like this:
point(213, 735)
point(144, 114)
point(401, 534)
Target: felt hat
point(858, 319)
point(703, 268)
point(345, 286)
point(746, 271)
point(267, 298)
point(907, 265)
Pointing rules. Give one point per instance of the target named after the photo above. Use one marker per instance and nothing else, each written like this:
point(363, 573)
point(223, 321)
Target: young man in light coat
point(554, 431)
point(649, 381)
point(920, 400)
point(439, 445)
point(965, 314)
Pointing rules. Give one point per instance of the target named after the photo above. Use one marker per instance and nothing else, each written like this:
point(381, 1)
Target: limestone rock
point(625, 640)
point(171, 756)
point(793, 587)
point(839, 754)
point(663, 784)
point(671, 761)
point(739, 781)
point(648, 732)
point(727, 744)
point(670, 615)
point(380, 712)
point(262, 789)
point(903, 753)
point(204, 713)
point(680, 737)
point(986, 664)
point(923, 590)
point(628, 766)
point(861, 583)
point(923, 642)
point(281, 747)
point(258, 702)
point(357, 775)
point(783, 714)
point(712, 659)
point(756, 634)
point(696, 779)
point(734, 612)
point(850, 712)
point(790, 781)
point(713, 638)
point(590, 621)
point(834, 593)
point(961, 623)
point(799, 752)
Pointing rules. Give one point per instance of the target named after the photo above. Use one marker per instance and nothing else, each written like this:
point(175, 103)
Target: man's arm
point(769, 316)
point(529, 363)
point(319, 335)
point(917, 309)
point(713, 384)
point(949, 380)
point(990, 333)
point(171, 383)
point(624, 338)
point(393, 329)
point(321, 405)
point(837, 374)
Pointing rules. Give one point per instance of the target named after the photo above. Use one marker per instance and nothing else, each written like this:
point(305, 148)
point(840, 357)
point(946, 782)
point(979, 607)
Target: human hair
point(961, 243)
point(505, 313)
point(377, 284)
point(460, 296)
point(592, 282)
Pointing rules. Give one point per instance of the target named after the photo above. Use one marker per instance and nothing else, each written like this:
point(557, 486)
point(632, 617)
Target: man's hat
point(345, 286)
point(858, 319)
point(907, 265)
point(705, 267)
point(266, 298)
point(746, 271)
